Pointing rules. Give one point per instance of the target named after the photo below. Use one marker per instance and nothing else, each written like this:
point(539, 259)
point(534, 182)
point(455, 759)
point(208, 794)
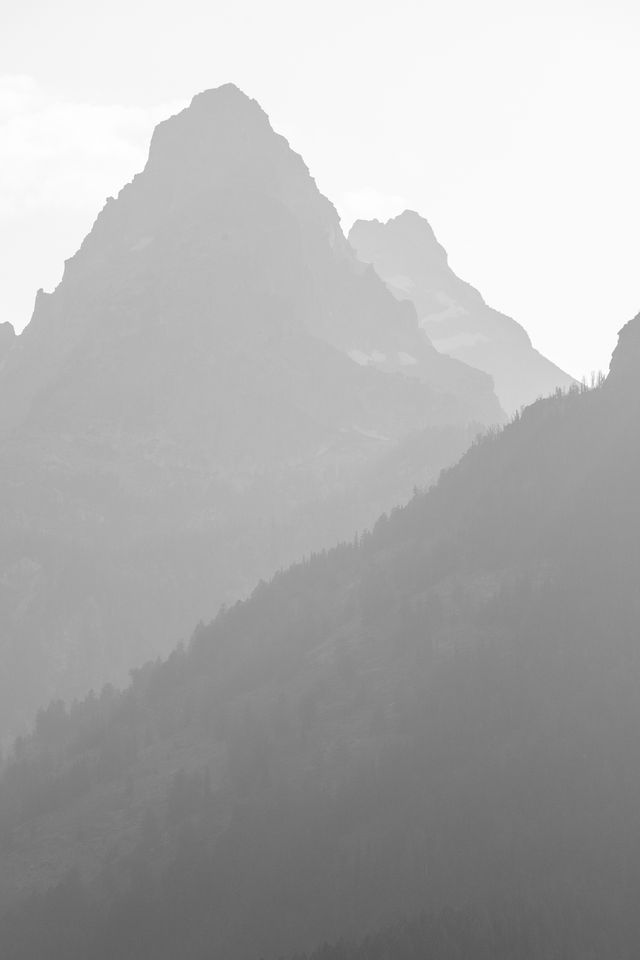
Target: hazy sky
point(513, 127)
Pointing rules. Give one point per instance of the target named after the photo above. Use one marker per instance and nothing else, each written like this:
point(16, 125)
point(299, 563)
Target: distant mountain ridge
point(408, 257)
point(184, 414)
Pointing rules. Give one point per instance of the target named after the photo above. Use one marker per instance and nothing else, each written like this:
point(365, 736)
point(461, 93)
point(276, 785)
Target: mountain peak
point(224, 196)
point(410, 234)
point(227, 99)
point(216, 120)
point(214, 358)
point(226, 92)
point(407, 255)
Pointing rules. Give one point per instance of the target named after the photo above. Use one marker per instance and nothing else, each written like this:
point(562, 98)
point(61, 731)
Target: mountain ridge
point(415, 266)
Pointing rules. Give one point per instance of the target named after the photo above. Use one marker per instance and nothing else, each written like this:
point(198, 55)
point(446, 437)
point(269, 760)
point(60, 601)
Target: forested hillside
point(443, 714)
point(512, 930)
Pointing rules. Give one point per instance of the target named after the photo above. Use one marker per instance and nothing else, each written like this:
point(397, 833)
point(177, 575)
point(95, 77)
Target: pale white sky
point(513, 127)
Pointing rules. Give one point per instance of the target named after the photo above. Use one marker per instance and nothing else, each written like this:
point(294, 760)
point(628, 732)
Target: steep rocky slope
point(406, 254)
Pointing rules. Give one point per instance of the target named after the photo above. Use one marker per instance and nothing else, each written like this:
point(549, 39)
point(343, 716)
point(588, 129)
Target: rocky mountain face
point(441, 715)
point(406, 254)
point(216, 387)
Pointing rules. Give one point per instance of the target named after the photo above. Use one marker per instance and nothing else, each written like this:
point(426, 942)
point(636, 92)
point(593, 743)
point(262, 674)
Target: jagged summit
point(221, 241)
point(414, 265)
point(412, 232)
point(219, 121)
point(229, 92)
point(227, 97)
point(214, 364)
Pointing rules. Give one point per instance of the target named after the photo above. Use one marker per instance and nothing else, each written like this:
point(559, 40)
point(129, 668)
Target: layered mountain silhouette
point(216, 386)
point(442, 715)
point(406, 254)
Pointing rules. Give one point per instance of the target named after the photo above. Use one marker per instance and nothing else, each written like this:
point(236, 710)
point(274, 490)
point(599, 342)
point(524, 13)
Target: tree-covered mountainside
point(184, 415)
point(443, 714)
point(514, 931)
point(406, 254)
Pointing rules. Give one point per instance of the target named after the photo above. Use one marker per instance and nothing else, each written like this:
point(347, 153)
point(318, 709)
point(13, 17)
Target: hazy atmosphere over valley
point(319, 471)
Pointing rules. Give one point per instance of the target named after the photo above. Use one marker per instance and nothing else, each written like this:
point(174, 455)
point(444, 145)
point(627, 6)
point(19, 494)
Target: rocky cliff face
point(209, 393)
point(407, 255)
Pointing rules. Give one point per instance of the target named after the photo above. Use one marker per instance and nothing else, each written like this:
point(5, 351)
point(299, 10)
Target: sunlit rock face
point(407, 255)
point(217, 386)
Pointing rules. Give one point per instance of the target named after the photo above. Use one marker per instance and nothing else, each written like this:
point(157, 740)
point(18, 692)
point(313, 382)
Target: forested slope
point(443, 714)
